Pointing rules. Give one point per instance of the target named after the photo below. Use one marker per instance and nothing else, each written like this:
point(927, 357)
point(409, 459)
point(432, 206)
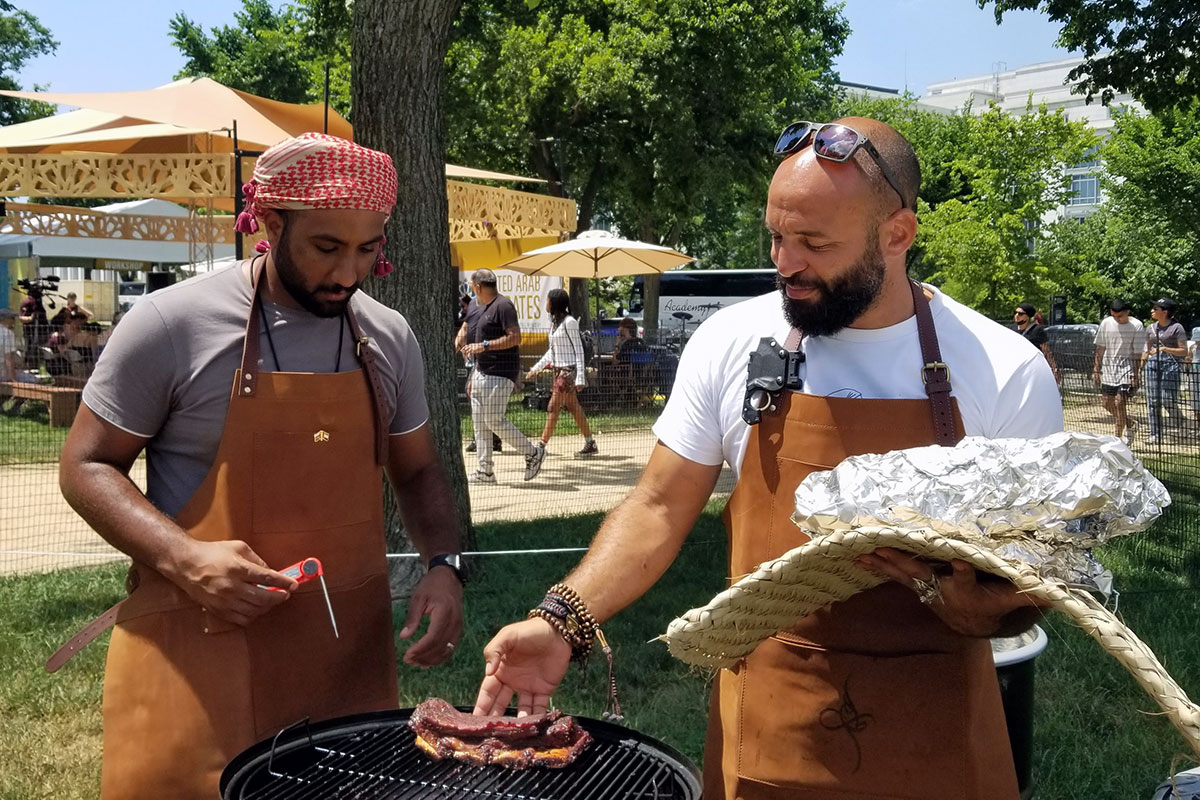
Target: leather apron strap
point(247, 381)
point(934, 374)
point(246, 384)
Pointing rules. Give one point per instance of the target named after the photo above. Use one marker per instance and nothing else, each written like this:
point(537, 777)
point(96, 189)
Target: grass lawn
point(27, 438)
point(1096, 733)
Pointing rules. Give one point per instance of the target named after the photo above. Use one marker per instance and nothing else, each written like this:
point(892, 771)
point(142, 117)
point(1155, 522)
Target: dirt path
point(39, 531)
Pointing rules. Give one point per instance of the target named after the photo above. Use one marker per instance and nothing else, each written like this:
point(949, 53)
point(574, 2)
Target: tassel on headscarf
point(246, 221)
point(382, 265)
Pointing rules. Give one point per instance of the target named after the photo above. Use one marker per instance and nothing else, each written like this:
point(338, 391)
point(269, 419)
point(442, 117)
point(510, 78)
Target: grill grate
point(374, 757)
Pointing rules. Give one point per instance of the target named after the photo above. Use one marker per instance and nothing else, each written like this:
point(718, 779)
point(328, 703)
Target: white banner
point(527, 292)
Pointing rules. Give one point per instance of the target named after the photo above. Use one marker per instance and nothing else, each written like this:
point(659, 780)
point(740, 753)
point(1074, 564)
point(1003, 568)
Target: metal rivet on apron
point(246, 375)
point(247, 390)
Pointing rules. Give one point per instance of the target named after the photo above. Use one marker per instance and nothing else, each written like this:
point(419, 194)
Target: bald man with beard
point(893, 692)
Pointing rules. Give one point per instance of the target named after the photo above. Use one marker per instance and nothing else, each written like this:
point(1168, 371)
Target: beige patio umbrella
point(598, 254)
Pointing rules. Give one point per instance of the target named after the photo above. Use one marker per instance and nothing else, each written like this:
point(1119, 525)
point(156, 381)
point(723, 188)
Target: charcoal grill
point(373, 757)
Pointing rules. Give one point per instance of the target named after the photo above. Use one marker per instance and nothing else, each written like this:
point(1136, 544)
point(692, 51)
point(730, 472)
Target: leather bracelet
point(566, 612)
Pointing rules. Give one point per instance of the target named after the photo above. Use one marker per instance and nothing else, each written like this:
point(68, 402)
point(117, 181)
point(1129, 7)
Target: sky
point(124, 45)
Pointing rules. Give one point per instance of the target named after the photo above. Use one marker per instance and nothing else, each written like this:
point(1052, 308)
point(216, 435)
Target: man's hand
point(439, 597)
point(965, 604)
point(227, 580)
point(472, 349)
point(1096, 377)
point(528, 659)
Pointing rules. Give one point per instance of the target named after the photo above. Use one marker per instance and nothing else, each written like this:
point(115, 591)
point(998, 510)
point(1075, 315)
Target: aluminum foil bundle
point(1043, 502)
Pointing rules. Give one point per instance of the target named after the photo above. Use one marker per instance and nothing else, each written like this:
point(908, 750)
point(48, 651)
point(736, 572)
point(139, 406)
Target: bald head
point(896, 152)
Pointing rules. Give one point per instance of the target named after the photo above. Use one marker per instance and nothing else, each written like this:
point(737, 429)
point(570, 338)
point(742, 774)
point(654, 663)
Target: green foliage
point(1145, 241)
point(621, 105)
point(626, 106)
point(981, 245)
point(280, 54)
point(937, 138)
point(1145, 48)
point(22, 37)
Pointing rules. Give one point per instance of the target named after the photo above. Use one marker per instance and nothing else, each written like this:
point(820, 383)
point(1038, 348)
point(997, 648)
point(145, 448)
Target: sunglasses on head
point(833, 142)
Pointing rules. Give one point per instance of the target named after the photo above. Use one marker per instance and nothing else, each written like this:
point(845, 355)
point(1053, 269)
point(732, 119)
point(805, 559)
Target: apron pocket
point(300, 670)
point(865, 725)
point(300, 483)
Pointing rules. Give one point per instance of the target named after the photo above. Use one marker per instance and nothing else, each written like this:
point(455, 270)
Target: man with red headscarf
point(269, 397)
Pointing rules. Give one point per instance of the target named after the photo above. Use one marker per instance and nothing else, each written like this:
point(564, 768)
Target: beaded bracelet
point(566, 612)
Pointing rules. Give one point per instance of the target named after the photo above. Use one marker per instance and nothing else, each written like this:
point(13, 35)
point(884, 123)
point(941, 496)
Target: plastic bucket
point(1014, 658)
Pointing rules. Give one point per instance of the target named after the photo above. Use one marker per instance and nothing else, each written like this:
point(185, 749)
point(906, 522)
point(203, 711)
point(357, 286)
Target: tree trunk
point(650, 293)
point(579, 293)
point(397, 88)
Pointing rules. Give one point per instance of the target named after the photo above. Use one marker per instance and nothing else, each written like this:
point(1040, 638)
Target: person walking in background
point(490, 337)
point(565, 356)
point(1035, 334)
point(464, 303)
point(1166, 344)
point(1118, 342)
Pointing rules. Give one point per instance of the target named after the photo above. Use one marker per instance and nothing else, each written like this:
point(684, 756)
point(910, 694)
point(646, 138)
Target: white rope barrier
point(389, 555)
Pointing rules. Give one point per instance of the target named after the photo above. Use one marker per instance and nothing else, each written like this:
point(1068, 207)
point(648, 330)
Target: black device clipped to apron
point(773, 368)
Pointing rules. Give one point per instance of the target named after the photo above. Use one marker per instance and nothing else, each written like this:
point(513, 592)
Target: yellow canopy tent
point(175, 142)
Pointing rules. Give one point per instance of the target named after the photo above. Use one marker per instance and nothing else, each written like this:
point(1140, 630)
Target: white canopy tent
point(159, 252)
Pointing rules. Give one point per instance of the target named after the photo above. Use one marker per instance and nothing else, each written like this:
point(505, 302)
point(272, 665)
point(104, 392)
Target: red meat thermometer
point(304, 571)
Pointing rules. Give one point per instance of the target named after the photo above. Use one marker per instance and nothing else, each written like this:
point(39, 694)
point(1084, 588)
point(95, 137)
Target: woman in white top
point(566, 357)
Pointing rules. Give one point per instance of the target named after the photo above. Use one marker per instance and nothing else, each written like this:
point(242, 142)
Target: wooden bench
point(62, 400)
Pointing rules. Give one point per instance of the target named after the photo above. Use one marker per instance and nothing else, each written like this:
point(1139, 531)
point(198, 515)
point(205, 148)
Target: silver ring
point(449, 645)
point(927, 591)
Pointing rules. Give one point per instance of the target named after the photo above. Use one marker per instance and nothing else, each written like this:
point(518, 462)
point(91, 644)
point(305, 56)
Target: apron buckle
point(772, 369)
point(362, 342)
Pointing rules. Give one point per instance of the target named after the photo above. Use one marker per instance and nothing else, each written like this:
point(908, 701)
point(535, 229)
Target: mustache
point(800, 282)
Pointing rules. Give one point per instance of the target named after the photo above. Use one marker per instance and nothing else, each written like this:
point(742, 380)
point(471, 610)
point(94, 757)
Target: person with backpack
point(567, 358)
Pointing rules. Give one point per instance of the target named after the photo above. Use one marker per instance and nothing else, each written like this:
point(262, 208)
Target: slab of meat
point(547, 740)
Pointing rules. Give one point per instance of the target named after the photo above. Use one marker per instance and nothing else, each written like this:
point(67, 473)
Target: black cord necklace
point(337, 367)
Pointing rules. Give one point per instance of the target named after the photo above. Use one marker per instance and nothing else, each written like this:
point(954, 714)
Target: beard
point(842, 300)
point(293, 280)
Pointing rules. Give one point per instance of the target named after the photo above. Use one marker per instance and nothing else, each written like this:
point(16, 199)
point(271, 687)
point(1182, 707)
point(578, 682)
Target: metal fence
point(624, 395)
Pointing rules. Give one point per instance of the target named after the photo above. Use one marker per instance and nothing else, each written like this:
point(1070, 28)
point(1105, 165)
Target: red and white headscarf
point(318, 171)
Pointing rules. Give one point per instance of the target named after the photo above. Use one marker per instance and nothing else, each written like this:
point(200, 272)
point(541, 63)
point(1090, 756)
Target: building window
point(1085, 190)
point(1090, 159)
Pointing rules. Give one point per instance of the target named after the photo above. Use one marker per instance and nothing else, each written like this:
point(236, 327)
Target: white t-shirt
point(1122, 344)
point(1003, 384)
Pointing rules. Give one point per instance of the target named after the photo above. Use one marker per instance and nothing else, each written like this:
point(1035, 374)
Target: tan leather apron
point(296, 474)
point(873, 697)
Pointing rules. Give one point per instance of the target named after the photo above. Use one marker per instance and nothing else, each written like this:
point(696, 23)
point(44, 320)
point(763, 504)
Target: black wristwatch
point(453, 561)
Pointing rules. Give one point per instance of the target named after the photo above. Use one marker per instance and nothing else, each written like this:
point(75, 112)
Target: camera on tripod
point(36, 287)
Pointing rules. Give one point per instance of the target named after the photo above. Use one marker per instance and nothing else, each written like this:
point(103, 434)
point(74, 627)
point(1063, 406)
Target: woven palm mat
point(822, 571)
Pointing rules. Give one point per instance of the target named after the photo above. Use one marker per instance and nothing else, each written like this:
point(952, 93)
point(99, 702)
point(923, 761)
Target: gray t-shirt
point(167, 371)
